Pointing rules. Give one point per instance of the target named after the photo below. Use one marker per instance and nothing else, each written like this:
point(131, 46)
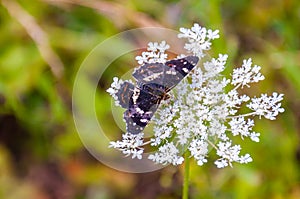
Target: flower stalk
point(186, 176)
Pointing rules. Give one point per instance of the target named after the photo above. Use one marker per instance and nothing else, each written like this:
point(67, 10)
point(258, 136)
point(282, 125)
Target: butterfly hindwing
point(142, 107)
point(125, 93)
point(135, 123)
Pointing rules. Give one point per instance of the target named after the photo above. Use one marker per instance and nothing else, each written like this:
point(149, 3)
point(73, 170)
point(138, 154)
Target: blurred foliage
point(41, 155)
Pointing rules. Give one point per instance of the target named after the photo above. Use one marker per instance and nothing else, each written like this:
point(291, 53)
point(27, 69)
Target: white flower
point(130, 145)
point(167, 154)
point(221, 163)
point(114, 87)
point(254, 136)
point(212, 34)
point(215, 66)
point(156, 53)
point(203, 111)
point(234, 100)
point(241, 127)
point(199, 150)
point(199, 39)
point(229, 154)
point(245, 159)
point(267, 106)
point(246, 74)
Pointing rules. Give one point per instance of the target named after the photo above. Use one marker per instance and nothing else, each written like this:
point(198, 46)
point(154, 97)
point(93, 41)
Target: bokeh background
point(43, 43)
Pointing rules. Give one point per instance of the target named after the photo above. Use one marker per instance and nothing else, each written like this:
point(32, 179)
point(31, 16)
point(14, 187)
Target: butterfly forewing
point(150, 73)
point(177, 69)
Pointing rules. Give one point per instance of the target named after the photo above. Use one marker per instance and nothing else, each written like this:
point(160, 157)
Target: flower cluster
point(155, 53)
point(203, 113)
point(130, 145)
point(199, 39)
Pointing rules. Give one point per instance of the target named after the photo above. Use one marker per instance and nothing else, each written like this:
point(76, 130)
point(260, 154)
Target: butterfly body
point(154, 82)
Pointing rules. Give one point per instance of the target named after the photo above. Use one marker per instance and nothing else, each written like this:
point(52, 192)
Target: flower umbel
point(130, 145)
point(203, 112)
point(199, 39)
point(155, 53)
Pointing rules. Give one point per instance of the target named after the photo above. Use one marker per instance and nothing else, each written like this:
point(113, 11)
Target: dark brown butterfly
point(154, 81)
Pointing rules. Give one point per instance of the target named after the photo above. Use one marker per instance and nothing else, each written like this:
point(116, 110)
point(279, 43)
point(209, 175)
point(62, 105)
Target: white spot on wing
point(171, 72)
point(136, 93)
point(144, 120)
point(185, 70)
point(148, 112)
point(138, 110)
point(152, 77)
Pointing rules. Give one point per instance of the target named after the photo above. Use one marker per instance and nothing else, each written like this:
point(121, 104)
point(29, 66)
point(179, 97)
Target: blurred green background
point(43, 44)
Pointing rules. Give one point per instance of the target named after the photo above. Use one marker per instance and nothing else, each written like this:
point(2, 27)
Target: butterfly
point(154, 81)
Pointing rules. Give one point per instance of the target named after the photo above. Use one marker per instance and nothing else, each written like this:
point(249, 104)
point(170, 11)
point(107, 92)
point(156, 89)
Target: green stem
point(185, 192)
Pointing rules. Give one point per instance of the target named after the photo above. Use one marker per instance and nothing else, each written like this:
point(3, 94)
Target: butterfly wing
point(142, 107)
point(150, 73)
point(168, 74)
point(177, 69)
point(124, 94)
